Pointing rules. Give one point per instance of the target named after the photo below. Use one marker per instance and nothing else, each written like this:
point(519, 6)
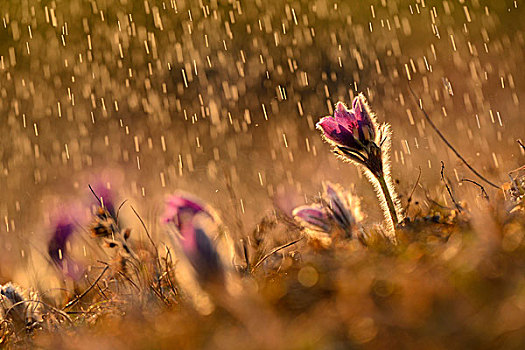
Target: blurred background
point(146, 97)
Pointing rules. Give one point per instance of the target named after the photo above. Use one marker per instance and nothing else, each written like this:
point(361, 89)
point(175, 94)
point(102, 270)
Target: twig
point(118, 210)
point(129, 280)
point(458, 207)
point(521, 144)
point(78, 312)
point(77, 299)
point(159, 295)
point(409, 200)
point(146, 229)
point(448, 143)
point(157, 257)
point(96, 196)
point(483, 192)
point(54, 309)
point(517, 169)
point(275, 250)
point(100, 290)
point(168, 255)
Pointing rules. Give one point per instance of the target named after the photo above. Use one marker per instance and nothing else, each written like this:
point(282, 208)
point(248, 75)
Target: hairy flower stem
point(388, 199)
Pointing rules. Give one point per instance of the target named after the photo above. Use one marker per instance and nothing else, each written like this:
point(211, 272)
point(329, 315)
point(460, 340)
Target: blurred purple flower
point(181, 204)
point(353, 133)
point(186, 213)
point(200, 250)
point(57, 244)
point(57, 248)
point(313, 216)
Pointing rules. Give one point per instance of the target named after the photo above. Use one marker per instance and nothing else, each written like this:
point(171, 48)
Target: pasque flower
point(56, 247)
point(187, 215)
point(200, 249)
point(181, 204)
point(337, 209)
point(354, 134)
point(63, 228)
point(356, 137)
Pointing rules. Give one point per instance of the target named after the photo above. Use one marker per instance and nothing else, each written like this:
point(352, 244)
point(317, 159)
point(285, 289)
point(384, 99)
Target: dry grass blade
point(52, 308)
point(77, 299)
point(275, 250)
point(409, 199)
point(146, 230)
point(483, 192)
point(456, 204)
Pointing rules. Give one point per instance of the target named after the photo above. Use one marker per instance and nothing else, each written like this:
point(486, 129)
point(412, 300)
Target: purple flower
point(313, 216)
point(200, 250)
point(57, 244)
point(340, 207)
point(187, 214)
point(336, 207)
point(356, 137)
point(57, 248)
point(181, 204)
point(354, 134)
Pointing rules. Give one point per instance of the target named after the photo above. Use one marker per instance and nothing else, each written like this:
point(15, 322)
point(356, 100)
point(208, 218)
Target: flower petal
point(363, 118)
point(361, 112)
point(200, 250)
point(337, 133)
point(182, 203)
point(345, 117)
point(313, 216)
point(56, 247)
point(339, 206)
